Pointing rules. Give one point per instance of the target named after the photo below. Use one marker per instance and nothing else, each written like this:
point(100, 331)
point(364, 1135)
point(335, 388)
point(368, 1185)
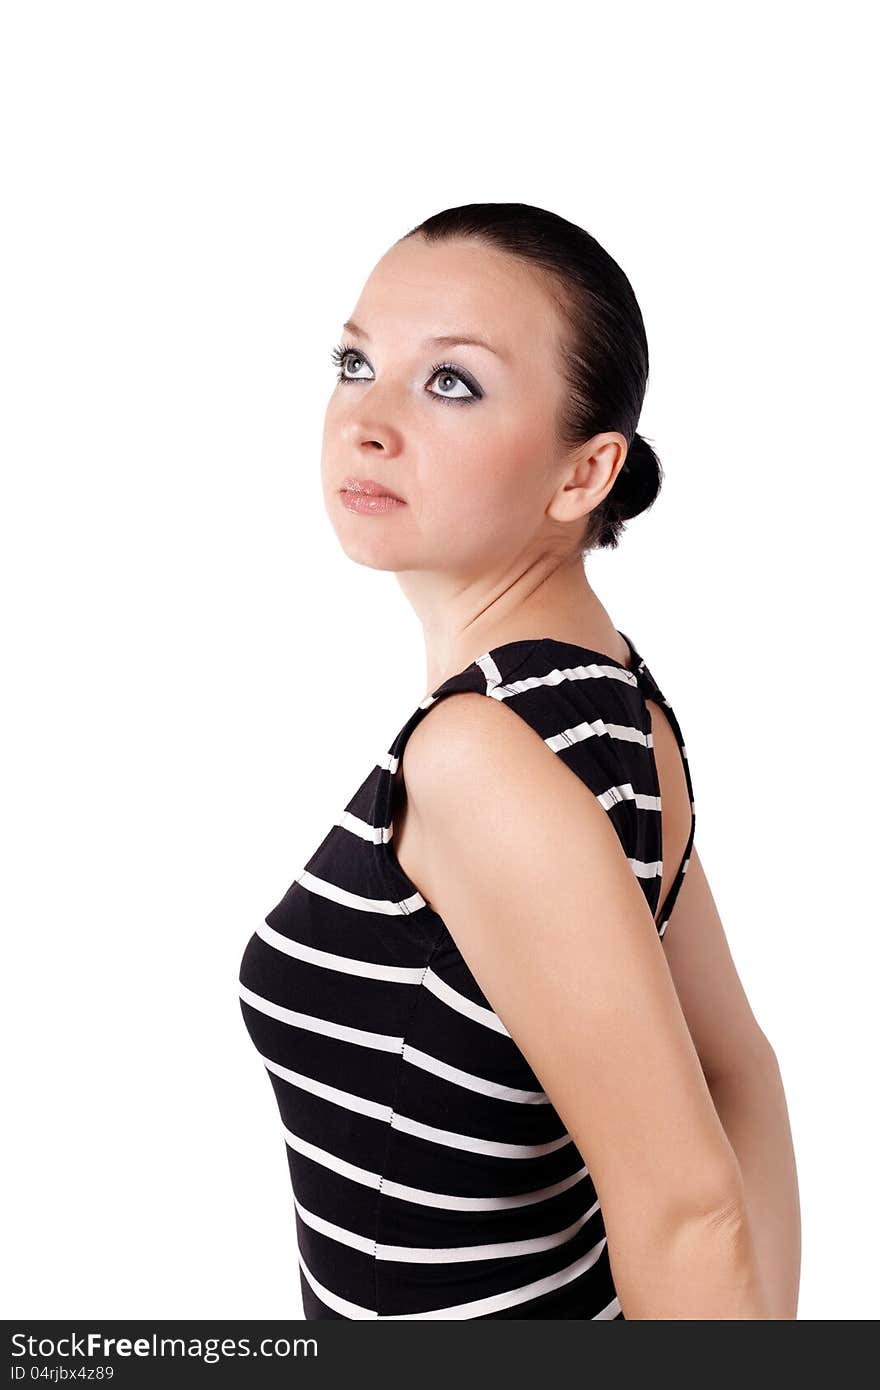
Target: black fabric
point(432, 1177)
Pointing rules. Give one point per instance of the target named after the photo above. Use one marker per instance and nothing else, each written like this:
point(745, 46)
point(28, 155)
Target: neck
point(546, 598)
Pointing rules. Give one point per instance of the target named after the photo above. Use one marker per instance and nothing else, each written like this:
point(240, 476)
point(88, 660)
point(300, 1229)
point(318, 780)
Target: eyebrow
point(446, 340)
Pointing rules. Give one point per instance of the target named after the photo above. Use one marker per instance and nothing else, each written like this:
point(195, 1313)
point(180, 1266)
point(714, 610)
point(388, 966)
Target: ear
point(589, 473)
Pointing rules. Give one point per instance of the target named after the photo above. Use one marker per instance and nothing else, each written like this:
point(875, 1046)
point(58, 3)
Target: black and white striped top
point(432, 1176)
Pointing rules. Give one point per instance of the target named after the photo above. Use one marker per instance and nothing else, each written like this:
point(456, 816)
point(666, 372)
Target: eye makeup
point(343, 351)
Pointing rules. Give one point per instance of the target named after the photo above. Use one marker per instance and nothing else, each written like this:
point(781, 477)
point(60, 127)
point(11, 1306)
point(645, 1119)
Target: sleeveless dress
point(432, 1177)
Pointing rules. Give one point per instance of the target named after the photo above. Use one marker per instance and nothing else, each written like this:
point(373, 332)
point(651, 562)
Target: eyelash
point(339, 354)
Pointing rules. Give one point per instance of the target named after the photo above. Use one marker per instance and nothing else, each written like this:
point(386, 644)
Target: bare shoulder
point(468, 735)
point(471, 748)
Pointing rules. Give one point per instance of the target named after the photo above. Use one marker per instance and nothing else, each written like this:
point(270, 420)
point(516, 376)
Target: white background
point(197, 679)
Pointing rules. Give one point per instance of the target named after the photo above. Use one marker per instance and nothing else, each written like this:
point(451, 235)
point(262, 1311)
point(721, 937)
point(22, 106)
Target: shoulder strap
point(652, 691)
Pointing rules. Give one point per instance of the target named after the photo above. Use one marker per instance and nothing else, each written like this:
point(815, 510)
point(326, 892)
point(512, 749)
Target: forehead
point(420, 289)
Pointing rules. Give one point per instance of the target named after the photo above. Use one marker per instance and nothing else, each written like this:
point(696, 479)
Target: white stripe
point(614, 795)
point(499, 1249)
point(358, 1105)
point(510, 1298)
point(471, 1082)
point(375, 833)
point(347, 965)
point(382, 1042)
point(594, 671)
point(490, 671)
point(462, 1004)
point(333, 1161)
point(649, 869)
point(343, 1306)
point(473, 1143)
point(477, 1308)
point(339, 1233)
point(325, 889)
point(624, 792)
point(443, 1201)
point(450, 1202)
point(567, 738)
point(433, 1255)
point(385, 1042)
point(438, 987)
point(362, 1105)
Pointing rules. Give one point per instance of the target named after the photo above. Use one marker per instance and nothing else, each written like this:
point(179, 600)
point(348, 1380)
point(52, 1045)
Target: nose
point(367, 430)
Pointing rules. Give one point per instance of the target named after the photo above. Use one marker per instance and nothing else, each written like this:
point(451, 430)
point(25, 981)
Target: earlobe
point(567, 506)
point(595, 467)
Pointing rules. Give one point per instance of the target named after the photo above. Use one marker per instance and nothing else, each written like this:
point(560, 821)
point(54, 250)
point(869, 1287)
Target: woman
point(513, 1082)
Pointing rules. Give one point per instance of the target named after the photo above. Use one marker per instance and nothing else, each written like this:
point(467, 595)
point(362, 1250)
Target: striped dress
point(432, 1176)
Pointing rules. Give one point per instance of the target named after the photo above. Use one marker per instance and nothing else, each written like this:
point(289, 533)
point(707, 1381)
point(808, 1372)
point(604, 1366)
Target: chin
point(371, 554)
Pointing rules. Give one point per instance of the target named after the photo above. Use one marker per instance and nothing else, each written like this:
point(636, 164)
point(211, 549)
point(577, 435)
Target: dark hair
point(605, 356)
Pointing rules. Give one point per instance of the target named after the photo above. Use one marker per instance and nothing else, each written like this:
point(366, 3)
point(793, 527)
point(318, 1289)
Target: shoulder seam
point(476, 667)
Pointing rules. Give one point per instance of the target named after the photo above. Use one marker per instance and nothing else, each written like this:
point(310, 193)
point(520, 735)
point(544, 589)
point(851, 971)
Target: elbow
point(766, 1060)
point(698, 1266)
point(708, 1201)
point(714, 1198)
point(728, 1218)
point(771, 1063)
point(765, 1055)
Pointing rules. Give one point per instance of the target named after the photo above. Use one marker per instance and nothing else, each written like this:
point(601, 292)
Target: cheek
point(492, 479)
point(329, 441)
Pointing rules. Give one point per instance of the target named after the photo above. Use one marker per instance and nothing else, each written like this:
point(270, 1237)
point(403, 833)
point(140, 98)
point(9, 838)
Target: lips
point(368, 487)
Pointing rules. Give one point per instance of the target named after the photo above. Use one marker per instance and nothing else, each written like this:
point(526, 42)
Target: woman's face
point(471, 449)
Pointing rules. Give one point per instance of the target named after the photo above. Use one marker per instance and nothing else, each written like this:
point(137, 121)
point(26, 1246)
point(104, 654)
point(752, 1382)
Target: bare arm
point(744, 1080)
point(753, 1111)
point(565, 948)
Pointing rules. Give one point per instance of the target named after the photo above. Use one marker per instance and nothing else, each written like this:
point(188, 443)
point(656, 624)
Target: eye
point(340, 356)
point(445, 371)
point(346, 353)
